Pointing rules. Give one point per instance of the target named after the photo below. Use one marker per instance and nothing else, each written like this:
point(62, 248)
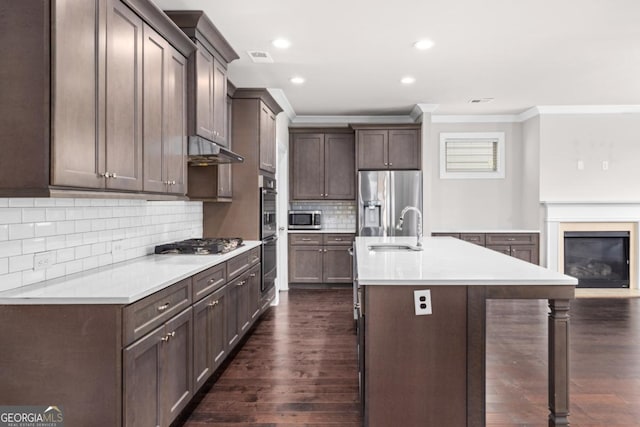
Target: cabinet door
point(337, 265)
point(154, 84)
point(505, 249)
point(253, 286)
point(177, 369)
point(372, 149)
point(267, 139)
point(203, 334)
point(305, 264)
point(77, 133)
point(339, 165)
point(404, 149)
point(219, 102)
point(225, 174)
point(175, 131)
point(123, 98)
point(243, 309)
point(307, 168)
point(141, 380)
point(231, 308)
point(204, 92)
point(527, 253)
point(219, 316)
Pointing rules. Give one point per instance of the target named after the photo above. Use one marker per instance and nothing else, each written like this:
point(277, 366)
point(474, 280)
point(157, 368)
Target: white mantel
point(557, 214)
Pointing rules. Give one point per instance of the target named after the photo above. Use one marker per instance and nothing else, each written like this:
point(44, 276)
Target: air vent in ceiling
point(259, 56)
point(480, 100)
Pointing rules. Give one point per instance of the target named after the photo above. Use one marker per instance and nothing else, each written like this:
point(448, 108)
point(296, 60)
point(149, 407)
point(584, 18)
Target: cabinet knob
point(386, 164)
point(252, 275)
point(167, 337)
point(319, 250)
point(213, 303)
point(164, 306)
point(242, 283)
point(114, 175)
point(325, 250)
point(390, 164)
point(511, 239)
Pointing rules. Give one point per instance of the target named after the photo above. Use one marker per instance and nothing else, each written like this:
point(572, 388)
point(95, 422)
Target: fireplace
point(598, 259)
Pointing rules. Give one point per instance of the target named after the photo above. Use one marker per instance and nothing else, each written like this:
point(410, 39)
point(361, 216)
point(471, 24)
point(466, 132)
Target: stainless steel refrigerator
point(381, 197)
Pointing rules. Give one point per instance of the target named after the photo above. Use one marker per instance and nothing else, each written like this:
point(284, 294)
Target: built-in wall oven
point(268, 231)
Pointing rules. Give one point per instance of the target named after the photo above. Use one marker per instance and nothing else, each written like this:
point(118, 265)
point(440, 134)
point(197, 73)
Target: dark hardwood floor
point(298, 368)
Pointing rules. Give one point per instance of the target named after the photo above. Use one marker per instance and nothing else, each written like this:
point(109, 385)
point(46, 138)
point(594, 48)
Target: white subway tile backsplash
point(33, 276)
point(21, 202)
point(10, 281)
point(33, 215)
point(10, 216)
point(56, 214)
point(80, 233)
point(43, 229)
point(20, 263)
point(56, 242)
point(11, 248)
point(21, 231)
point(31, 246)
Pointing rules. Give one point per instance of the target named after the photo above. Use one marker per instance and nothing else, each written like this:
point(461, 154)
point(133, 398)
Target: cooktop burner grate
point(205, 246)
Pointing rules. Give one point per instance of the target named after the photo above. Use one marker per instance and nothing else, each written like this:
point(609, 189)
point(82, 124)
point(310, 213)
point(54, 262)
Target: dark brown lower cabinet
point(326, 263)
point(524, 246)
point(157, 378)
point(209, 335)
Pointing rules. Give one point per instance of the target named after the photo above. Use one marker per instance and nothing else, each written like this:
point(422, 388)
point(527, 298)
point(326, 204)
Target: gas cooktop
point(205, 246)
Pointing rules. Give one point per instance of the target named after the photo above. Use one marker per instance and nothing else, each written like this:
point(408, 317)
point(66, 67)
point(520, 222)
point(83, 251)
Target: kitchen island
point(429, 369)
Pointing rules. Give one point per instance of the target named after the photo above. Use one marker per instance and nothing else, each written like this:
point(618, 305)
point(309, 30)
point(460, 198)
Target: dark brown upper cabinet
point(388, 147)
point(71, 110)
point(322, 165)
point(207, 75)
point(165, 115)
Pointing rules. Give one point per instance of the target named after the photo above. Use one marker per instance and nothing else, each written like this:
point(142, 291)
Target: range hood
point(202, 152)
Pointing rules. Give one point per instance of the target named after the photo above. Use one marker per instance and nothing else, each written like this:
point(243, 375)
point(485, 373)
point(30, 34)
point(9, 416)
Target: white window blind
point(472, 155)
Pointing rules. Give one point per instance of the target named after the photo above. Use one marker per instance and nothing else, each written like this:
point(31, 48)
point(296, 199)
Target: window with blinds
point(472, 155)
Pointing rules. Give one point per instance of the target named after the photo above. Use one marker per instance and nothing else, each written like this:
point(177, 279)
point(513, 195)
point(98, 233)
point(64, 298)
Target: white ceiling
point(352, 53)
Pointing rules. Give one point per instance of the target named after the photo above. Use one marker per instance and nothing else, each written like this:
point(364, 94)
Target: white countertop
point(447, 261)
point(324, 230)
point(121, 283)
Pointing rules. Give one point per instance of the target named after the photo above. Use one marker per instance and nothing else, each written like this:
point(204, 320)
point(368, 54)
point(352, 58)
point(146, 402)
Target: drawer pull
point(163, 307)
point(337, 239)
point(167, 337)
point(511, 239)
point(213, 303)
point(242, 283)
point(252, 275)
point(305, 239)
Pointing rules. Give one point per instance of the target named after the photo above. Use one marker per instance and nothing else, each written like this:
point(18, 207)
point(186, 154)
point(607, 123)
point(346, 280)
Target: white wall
point(591, 138)
point(81, 234)
point(282, 144)
point(479, 204)
point(529, 207)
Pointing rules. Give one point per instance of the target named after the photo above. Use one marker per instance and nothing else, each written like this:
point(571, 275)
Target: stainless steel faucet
point(419, 224)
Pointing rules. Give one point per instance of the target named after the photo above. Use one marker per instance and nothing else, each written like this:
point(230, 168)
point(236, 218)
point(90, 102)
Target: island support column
point(559, 363)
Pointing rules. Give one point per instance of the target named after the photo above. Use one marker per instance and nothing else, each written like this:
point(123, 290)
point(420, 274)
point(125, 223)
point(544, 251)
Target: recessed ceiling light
point(423, 44)
point(297, 80)
point(281, 43)
point(407, 80)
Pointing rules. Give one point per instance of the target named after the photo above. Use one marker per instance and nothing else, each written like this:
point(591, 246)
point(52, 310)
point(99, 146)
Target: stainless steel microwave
point(305, 220)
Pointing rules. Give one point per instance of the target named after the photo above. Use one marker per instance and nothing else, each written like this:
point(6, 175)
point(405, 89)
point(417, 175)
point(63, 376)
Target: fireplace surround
point(574, 217)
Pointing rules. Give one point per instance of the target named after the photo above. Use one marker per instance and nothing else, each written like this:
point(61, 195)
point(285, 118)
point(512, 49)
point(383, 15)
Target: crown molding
point(487, 118)
point(282, 100)
point(588, 109)
point(349, 120)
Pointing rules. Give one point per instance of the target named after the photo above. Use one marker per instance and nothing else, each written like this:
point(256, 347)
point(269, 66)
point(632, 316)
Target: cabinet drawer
point(477, 238)
point(145, 315)
point(305, 239)
point(456, 235)
point(339, 239)
point(512, 239)
point(237, 265)
point(208, 281)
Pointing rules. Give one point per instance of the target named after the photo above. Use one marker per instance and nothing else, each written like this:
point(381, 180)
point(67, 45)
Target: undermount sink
point(393, 247)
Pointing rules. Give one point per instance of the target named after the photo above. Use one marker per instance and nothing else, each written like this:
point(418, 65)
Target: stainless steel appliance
point(382, 195)
point(305, 220)
point(206, 246)
point(268, 230)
